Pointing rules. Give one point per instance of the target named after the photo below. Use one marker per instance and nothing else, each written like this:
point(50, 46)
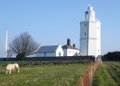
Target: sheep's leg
point(9, 71)
point(18, 70)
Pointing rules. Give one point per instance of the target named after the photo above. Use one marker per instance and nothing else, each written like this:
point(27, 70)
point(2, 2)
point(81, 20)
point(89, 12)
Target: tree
point(23, 45)
point(112, 56)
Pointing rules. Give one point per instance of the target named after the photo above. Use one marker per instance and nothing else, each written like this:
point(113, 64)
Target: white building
point(70, 50)
point(90, 34)
point(49, 51)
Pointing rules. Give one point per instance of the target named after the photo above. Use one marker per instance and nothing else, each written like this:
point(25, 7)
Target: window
point(85, 33)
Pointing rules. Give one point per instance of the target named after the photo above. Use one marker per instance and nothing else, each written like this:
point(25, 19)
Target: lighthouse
point(90, 34)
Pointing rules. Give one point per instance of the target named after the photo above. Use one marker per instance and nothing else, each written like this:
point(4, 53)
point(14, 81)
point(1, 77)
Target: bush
point(112, 56)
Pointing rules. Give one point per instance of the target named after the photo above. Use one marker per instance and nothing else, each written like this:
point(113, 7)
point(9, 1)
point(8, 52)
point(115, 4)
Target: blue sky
point(51, 22)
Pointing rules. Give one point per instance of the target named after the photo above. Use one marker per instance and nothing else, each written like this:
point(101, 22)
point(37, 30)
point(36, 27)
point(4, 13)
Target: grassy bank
point(48, 75)
point(107, 75)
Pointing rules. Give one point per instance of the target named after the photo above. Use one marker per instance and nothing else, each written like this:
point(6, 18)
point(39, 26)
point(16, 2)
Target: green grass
point(107, 75)
point(48, 75)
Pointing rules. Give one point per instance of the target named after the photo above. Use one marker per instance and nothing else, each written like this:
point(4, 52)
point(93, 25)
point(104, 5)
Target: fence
point(32, 61)
point(87, 78)
point(64, 58)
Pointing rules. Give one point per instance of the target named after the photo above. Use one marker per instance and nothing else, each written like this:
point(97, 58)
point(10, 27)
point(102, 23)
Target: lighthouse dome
point(90, 8)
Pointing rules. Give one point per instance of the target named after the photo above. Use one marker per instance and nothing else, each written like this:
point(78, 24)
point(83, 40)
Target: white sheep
point(11, 67)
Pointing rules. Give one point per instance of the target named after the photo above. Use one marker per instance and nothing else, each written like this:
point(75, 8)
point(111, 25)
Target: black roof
point(69, 47)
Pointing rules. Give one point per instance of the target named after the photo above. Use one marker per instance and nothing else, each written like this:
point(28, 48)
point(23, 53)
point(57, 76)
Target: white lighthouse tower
point(90, 34)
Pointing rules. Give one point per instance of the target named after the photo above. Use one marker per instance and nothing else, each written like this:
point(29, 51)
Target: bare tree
point(23, 45)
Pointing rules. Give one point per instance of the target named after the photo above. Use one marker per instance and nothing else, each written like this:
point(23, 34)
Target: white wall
point(70, 52)
point(83, 47)
point(84, 38)
point(90, 43)
point(94, 38)
point(59, 51)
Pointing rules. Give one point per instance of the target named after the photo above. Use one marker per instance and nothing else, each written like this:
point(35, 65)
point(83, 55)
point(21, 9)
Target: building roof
point(47, 49)
point(69, 47)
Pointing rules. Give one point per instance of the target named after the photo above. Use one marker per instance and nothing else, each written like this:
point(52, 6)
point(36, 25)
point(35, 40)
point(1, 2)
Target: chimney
point(68, 42)
point(73, 45)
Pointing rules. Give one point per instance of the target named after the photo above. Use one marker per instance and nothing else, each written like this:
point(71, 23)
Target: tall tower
point(90, 34)
point(6, 44)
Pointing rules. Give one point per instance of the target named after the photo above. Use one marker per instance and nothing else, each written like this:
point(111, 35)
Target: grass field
point(49, 75)
point(107, 75)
